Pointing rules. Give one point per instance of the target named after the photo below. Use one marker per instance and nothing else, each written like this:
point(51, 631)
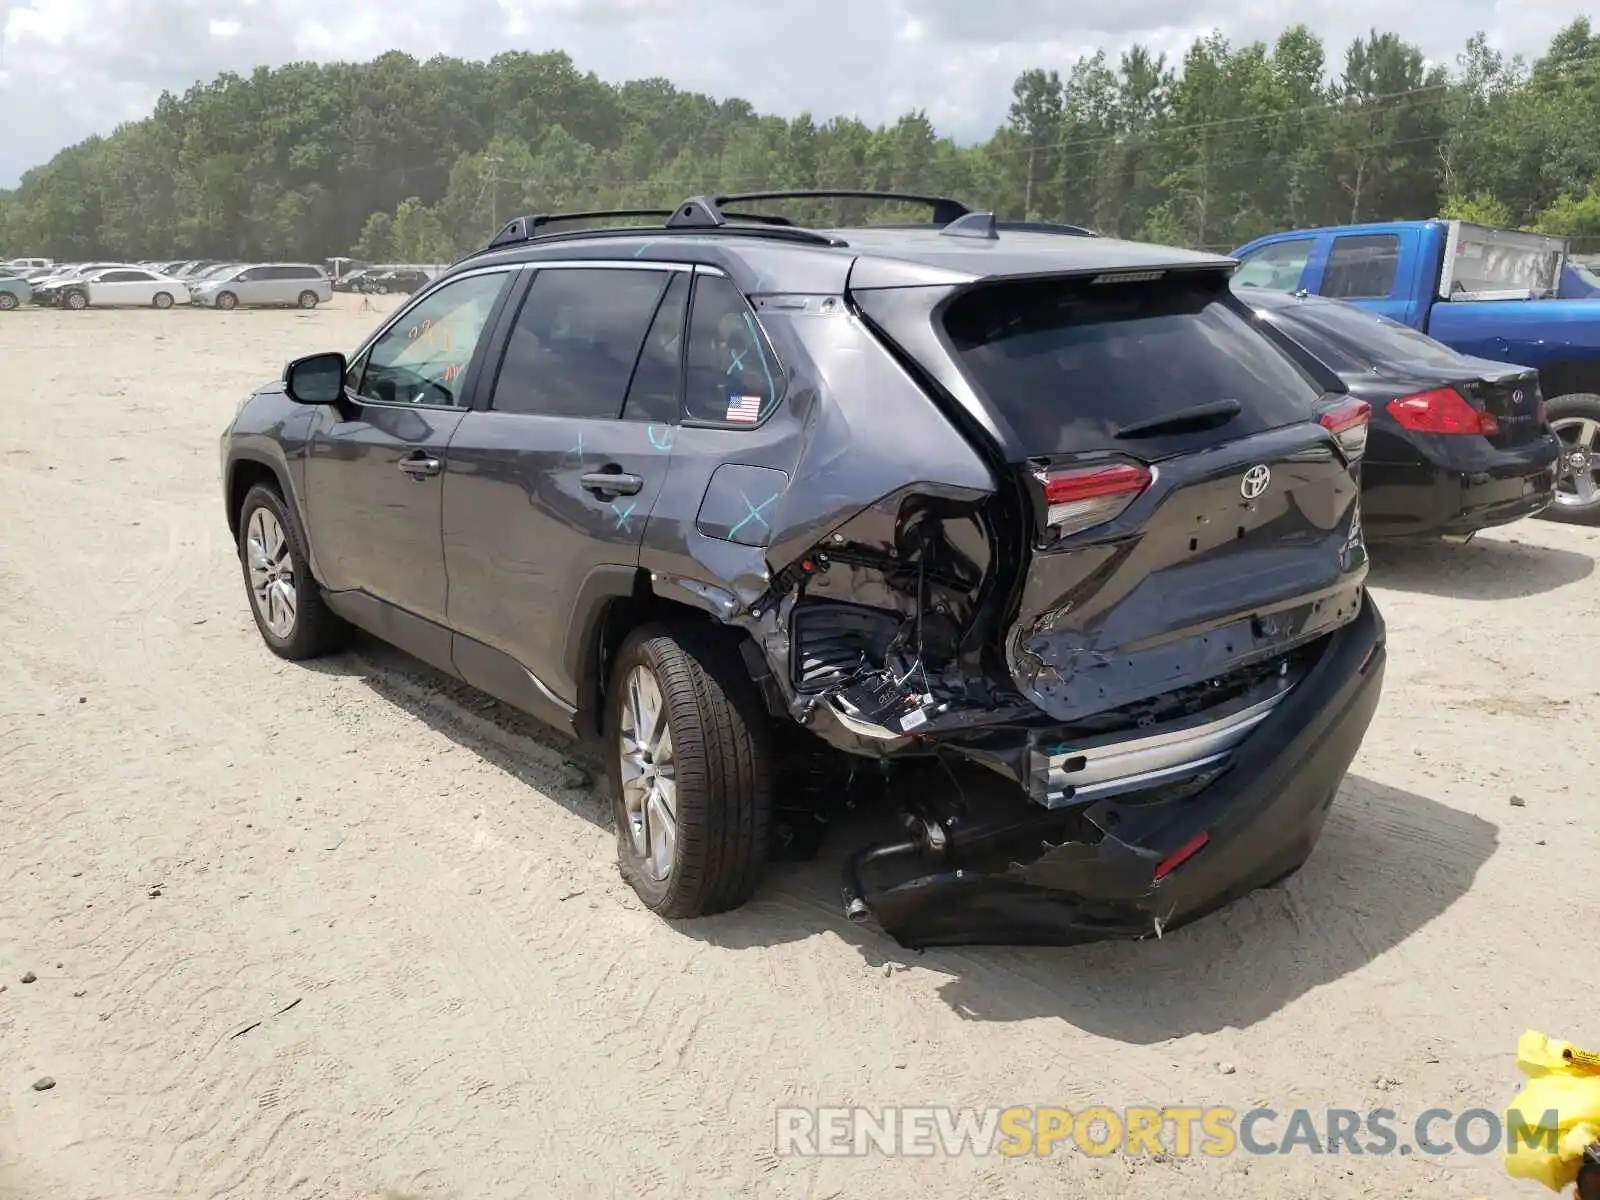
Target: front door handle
point(419, 466)
point(612, 483)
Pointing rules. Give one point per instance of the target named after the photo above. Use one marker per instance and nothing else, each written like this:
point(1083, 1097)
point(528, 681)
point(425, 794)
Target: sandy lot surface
point(391, 954)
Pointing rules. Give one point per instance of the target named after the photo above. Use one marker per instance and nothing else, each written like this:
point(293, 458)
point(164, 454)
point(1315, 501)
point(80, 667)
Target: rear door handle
point(612, 483)
point(419, 466)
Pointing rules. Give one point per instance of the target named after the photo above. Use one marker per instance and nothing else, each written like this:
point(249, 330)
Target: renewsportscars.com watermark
point(1179, 1131)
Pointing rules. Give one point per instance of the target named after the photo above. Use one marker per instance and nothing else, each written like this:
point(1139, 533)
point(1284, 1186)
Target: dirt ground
point(390, 953)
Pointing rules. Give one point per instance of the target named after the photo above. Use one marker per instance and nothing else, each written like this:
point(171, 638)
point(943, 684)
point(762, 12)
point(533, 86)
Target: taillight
point(1442, 410)
point(1348, 421)
point(1081, 497)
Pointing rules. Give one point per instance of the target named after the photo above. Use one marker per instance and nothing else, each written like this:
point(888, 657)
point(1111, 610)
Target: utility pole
point(494, 193)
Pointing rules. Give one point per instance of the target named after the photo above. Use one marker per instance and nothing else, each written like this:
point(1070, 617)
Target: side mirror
point(315, 379)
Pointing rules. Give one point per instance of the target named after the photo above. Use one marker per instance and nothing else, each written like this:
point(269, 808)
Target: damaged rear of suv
point(1048, 503)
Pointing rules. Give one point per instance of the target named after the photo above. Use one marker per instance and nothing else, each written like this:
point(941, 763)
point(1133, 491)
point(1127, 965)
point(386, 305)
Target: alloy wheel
point(271, 573)
point(1578, 471)
point(649, 774)
point(7, 302)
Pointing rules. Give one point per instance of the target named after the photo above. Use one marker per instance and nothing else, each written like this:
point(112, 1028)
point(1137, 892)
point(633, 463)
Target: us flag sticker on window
point(745, 409)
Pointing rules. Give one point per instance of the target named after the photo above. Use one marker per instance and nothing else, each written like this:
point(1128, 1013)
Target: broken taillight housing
point(1348, 421)
point(1081, 497)
point(1442, 410)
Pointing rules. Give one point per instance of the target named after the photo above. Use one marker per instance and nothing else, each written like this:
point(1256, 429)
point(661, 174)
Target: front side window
point(423, 357)
point(573, 348)
point(1274, 268)
point(733, 377)
point(1362, 267)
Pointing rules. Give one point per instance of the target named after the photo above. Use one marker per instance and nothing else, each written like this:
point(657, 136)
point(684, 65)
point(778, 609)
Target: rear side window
point(1068, 363)
point(573, 348)
point(733, 378)
point(1362, 267)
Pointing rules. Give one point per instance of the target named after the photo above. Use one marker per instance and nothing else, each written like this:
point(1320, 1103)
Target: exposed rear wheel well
point(621, 616)
point(246, 474)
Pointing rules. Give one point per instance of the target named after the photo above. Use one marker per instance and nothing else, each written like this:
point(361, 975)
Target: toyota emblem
point(1516, 396)
point(1255, 482)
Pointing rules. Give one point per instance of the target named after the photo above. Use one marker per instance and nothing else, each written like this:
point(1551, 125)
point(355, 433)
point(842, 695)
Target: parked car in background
point(264, 285)
point(1456, 444)
point(124, 287)
point(396, 281)
point(1491, 293)
point(49, 290)
point(685, 495)
point(29, 264)
point(15, 290)
point(355, 280)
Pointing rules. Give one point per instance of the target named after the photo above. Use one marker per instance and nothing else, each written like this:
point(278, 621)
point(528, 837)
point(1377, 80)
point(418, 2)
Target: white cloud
point(69, 68)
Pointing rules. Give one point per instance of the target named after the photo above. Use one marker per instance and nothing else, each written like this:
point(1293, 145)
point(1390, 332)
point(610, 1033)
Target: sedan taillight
point(1442, 410)
point(1348, 421)
point(1079, 498)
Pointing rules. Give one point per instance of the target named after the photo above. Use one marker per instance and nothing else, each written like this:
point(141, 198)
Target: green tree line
point(401, 160)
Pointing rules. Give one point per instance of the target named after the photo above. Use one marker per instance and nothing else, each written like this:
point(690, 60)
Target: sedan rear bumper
point(1144, 863)
point(1457, 494)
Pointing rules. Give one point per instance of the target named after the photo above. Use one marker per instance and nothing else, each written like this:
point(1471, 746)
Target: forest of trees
point(400, 160)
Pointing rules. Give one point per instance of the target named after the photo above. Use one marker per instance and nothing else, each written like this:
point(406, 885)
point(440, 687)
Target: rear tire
point(1576, 419)
point(708, 771)
point(163, 300)
point(8, 302)
point(308, 299)
point(227, 301)
point(276, 569)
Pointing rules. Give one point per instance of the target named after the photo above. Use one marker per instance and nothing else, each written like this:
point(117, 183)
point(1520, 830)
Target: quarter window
point(573, 348)
point(733, 378)
point(423, 357)
point(1362, 267)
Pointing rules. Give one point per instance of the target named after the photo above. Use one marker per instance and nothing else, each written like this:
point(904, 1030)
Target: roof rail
point(710, 213)
point(521, 229)
point(1046, 227)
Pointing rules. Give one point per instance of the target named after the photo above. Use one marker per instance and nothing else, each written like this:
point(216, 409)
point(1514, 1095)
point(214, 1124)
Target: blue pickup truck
point(1492, 293)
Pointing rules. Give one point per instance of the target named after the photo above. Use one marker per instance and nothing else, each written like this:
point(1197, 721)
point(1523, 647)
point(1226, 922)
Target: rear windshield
point(1069, 363)
point(1368, 339)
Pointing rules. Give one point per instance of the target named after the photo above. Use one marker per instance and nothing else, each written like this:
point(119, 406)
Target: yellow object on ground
point(1562, 1096)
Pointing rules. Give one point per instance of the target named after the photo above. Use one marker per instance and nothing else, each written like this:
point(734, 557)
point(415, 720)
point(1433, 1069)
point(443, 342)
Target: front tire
point(308, 300)
point(1575, 418)
point(227, 301)
point(8, 302)
point(76, 301)
point(690, 761)
point(163, 300)
point(291, 615)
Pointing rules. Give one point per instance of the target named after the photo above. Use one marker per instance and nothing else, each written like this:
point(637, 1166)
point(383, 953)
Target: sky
point(70, 68)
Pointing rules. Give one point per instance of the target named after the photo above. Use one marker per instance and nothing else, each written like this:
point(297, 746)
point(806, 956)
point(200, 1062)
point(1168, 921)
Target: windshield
point(217, 274)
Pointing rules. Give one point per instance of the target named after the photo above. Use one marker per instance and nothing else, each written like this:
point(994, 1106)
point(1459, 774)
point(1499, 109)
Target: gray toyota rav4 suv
point(711, 485)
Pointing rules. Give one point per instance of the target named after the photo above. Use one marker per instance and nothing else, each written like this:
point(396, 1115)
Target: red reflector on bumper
point(1181, 855)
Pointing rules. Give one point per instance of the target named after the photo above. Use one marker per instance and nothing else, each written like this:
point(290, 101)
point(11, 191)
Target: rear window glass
point(1069, 363)
point(1368, 339)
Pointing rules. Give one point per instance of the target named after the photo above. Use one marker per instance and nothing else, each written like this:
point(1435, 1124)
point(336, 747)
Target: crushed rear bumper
point(1259, 806)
